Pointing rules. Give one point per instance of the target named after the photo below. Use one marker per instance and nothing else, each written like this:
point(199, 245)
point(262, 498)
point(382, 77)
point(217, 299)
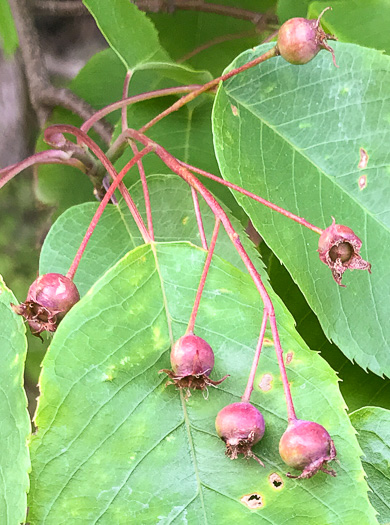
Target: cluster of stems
point(88, 157)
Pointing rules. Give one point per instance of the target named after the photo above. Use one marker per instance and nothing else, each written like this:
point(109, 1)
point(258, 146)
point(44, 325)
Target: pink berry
point(192, 360)
point(240, 425)
point(308, 447)
point(299, 40)
point(49, 298)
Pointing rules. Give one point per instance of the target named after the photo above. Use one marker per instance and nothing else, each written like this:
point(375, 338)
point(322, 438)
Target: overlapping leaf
point(116, 233)
point(294, 135)
point(15, 421)
point(363, 22)
point(373, 426)
point(115, 445)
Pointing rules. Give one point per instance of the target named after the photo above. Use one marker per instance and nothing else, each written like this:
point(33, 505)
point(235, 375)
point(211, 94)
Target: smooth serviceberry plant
point(131, 291)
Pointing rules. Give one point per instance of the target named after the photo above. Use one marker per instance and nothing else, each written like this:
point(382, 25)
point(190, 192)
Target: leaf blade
point(310, 167)
point(15, 421)
point(131, 295)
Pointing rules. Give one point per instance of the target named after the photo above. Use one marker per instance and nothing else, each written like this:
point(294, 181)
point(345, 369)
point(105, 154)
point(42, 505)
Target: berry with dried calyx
point(308, 447)
point(339, 248)
point(299, 40)
point(49, 298)
point(192, 360)
point(240, 425)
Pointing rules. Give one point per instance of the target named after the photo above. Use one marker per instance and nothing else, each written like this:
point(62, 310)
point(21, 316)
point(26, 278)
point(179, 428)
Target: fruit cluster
point(305, 446)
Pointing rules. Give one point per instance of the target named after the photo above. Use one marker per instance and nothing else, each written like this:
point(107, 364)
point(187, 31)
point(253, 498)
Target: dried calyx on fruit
point(49, 298)
point(308, 447)
point(240, 425)
point(339, 248)
point(299, 40)
point(192, 360)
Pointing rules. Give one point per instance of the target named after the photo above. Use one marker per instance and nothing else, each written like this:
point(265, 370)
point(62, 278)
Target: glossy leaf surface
point(15, 421)
point(295, 135)
point(373, 426)
point(115, 444)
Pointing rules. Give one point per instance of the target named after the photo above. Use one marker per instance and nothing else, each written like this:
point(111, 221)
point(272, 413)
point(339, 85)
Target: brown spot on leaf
point(253, 501)
point(276, 481)
point(362, 182)
point(289, 357)
point(363, 159)
point(266, 382)
point(268, 342)
point(234, 110)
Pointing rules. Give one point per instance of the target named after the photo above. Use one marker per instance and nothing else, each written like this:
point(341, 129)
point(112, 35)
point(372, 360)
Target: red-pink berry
point(240, 425)
point(299, 40)
point(49, 298)
point(307, 446)
point(192, 360)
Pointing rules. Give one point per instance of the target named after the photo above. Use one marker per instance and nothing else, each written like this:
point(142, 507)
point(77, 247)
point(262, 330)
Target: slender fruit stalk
point(274, 207)
point(199, 218)
point(191, 322)
point(218, 211)
point(206, 87)
point(249, 387)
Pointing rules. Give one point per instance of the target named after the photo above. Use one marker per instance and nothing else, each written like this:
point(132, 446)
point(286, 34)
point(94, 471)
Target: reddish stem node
point(191, 322)
point(54, 136)
point(101, 207)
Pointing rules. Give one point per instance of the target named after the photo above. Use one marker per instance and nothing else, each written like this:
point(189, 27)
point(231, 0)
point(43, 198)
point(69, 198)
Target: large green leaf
point(290, 8)
point(116, 233)
point(373, 426)
point(15, 421)
point(294, 136)
point(363, 22)
point(128, 31)
point(115, 445)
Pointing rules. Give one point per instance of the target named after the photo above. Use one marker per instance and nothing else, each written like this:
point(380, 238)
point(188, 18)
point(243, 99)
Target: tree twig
point(42, 94)
point(76, 8)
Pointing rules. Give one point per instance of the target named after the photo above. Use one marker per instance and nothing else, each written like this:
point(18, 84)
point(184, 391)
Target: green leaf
point(209, 40)
point(363, 22)
point(105, 414)
point(116, 232)
point(291, 8)
point(373, 390)
point(15, 421)
point(128, 31)
point(8, 36)
point(373, 426)
point(294, 137)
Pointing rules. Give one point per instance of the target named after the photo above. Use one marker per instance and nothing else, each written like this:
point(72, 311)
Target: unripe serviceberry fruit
point(192, 360)
point(299, 40)
point(49, 298)
point(240, 425)
point(308, 447)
